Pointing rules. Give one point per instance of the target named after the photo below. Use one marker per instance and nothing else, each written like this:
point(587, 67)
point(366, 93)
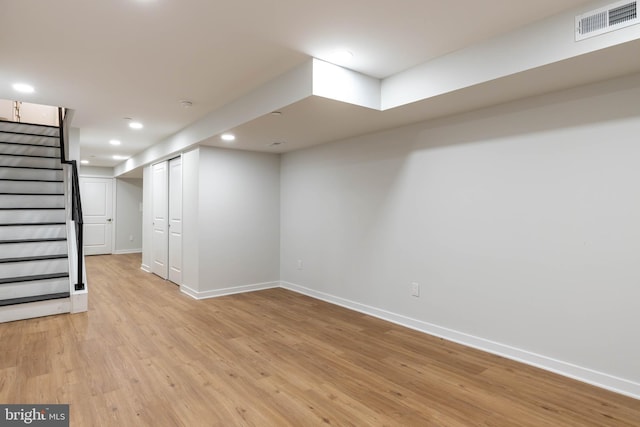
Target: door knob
point(108, 219)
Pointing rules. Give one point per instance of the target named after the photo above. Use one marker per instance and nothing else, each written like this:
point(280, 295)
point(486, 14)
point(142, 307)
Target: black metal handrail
point(76, 204)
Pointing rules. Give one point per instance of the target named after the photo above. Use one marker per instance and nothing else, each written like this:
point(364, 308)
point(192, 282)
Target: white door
point(160, 205)
point(175, 220)
point(96, 195)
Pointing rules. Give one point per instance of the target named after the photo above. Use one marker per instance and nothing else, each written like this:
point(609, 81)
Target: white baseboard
point(228, 291)
point(127, 251)
point(598, 379)
point(145, 268)
point(32, 310)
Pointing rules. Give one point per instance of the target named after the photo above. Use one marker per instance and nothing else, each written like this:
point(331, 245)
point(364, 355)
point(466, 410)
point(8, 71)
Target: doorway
point(97, 209)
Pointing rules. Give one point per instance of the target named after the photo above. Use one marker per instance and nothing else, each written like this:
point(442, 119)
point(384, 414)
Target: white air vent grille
point(615, 16)
point(622, 14)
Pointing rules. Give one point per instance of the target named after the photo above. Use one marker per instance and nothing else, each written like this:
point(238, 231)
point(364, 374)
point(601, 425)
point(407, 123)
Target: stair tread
point(33, 278)
point(30, 180)
point(28, 134)
point(30, 167)
point(33, 258)
point(48, 239)
point(29, 209)
point(35, 298)
point(28, 155)
point(29, 224)
point(31, 194)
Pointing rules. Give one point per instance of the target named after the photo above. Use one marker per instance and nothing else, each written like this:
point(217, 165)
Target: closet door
point(160, 208)
point(175, 220)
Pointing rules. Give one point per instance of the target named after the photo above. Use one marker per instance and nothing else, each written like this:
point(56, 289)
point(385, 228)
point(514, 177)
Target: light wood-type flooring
point(147, 355)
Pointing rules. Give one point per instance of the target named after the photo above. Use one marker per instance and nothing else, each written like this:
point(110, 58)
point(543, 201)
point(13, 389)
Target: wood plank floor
point(146, 355)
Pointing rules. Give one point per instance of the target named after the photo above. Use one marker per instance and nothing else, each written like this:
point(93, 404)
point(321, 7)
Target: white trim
point(114, 209)
point(72, 253)
point(228, 291)
point(80, 301)
point(127, 251)
point(589, 376)
point(145, 268)
point(31, 310)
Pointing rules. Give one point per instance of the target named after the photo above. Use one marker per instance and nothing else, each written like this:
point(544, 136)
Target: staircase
point(34, 263)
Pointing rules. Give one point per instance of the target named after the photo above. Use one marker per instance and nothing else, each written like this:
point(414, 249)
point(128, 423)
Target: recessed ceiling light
point(186, 104)
point(276, 113)
point(84, 162)
point(341, 56)
point(23, 87)
point(228, 137)
point(114, 142)
point(117, 157)
point(136, 125)
point(276, 144)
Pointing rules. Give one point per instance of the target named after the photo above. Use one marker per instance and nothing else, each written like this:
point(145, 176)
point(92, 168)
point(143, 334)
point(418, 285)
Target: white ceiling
point(138, 58)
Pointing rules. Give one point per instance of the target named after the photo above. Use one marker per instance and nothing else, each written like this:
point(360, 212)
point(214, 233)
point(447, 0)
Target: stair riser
point(31, 187)
point(27, 128)
point(19, 250)
point(29, 268)
point(40, 287)
point(29, 150)
point(33, 232)
point(29, 162)
point(9, 173)
point(26, 216)
point(35, 201)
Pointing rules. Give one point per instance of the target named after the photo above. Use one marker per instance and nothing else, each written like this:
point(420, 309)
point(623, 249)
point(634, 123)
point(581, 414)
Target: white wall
point(128, 215)
point(238, 217)
point(519, 222)
point(190, 220)
point(6, 109)
point(74, 146)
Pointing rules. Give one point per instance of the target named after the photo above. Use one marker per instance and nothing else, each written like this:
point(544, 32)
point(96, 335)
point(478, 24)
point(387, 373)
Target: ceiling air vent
point(613, 17)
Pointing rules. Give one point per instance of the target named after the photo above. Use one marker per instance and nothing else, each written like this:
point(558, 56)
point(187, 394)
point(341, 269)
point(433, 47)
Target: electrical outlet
point(415, 289)
point(300, 264)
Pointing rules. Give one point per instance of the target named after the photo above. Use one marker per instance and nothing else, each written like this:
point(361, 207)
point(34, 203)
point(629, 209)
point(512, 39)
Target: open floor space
point(146, 355)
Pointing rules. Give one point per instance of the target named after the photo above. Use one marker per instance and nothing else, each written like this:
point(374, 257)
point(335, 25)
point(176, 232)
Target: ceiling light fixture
point(341, 56)
point(84, 162)
point(117, 157)
point(23, 87)
point(276, 113)
point(227, 137)
point(136, 125)
point(115, 142)
point(186, 104)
